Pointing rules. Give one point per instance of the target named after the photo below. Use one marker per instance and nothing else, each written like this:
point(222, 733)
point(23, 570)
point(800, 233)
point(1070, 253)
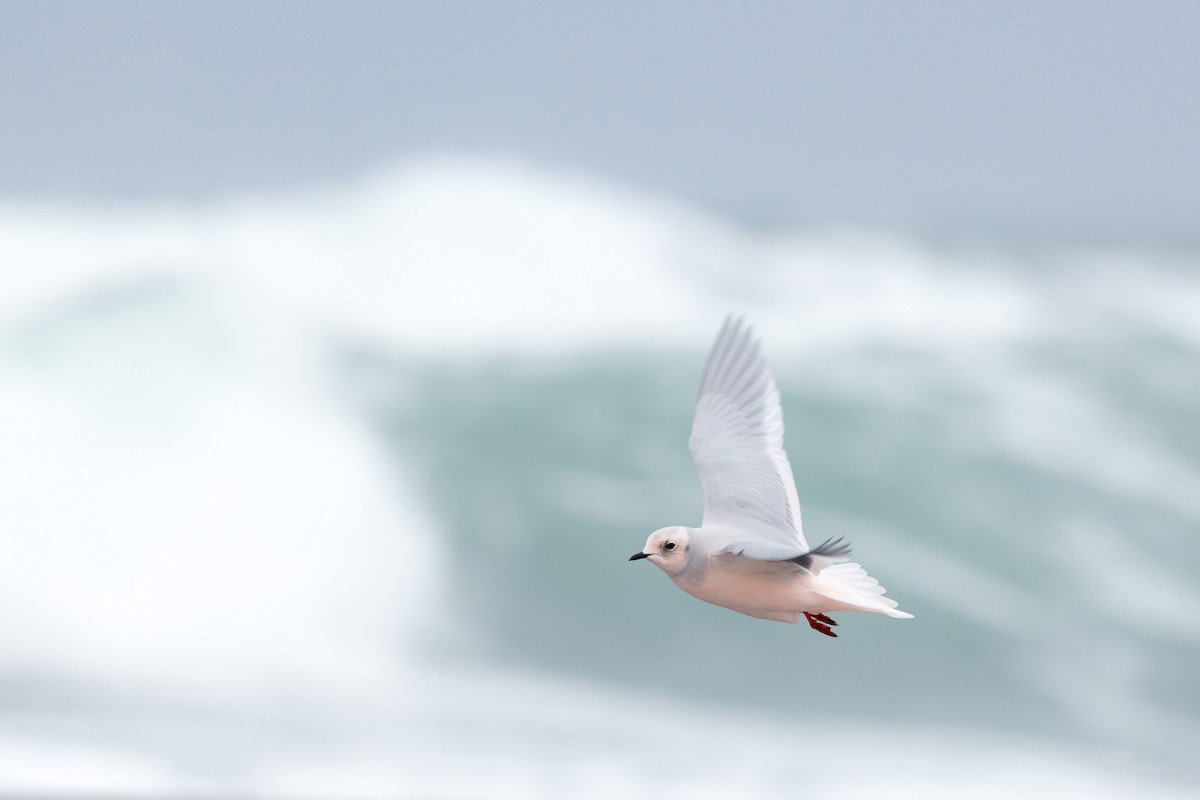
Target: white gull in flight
point(749, 553)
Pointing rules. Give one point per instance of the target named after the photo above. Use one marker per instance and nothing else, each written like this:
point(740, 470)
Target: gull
point(749, 553)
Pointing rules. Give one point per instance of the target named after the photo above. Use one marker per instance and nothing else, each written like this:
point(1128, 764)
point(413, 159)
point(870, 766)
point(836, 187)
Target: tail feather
point(847, 582)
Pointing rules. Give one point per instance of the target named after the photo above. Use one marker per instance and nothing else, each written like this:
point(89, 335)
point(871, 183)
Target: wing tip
point(735, 344)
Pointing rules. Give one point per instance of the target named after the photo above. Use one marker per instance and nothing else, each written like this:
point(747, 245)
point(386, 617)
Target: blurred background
point(348, 350)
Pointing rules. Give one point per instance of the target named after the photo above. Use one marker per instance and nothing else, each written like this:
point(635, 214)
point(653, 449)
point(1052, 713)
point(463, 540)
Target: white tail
point(849, 583)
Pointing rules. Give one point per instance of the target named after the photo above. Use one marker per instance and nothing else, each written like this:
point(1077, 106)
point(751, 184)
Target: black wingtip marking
point(830, 548)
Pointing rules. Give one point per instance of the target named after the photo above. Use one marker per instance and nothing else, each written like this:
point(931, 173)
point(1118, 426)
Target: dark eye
point(669, 546)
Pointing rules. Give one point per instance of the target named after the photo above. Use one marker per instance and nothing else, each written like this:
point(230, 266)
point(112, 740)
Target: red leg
point(820, 623)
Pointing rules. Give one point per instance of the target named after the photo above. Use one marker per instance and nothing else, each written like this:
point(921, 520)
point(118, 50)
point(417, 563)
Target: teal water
point(334, 495)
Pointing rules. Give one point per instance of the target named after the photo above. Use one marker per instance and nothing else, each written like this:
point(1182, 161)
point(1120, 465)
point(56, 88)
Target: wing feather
point(737, 443)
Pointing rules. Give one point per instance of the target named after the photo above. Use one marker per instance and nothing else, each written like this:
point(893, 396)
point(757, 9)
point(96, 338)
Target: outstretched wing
point(737, 444)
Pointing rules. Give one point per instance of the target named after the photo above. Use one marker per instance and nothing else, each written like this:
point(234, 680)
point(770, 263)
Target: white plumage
point(749, 553)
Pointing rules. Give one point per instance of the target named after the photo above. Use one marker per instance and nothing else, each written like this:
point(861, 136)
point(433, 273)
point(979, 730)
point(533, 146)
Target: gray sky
point(1081, 117)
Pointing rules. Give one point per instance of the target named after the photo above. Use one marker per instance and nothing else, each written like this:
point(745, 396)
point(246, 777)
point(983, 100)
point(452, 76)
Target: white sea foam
point(39, 768)
point(181, 506)
point(500, 735)
point(450, 255)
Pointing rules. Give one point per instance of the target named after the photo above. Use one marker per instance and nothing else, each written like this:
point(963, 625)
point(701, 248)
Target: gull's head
point(667, 549)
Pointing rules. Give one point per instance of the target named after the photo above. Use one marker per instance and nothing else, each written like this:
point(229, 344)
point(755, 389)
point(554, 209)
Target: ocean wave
point(225, 574)
point(449, 255)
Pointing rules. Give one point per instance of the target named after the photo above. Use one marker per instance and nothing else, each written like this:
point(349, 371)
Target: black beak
point(636, 556)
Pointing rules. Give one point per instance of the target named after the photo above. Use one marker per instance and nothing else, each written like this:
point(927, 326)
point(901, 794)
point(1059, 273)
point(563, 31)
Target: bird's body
point(749, 554)
point(769, 589)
